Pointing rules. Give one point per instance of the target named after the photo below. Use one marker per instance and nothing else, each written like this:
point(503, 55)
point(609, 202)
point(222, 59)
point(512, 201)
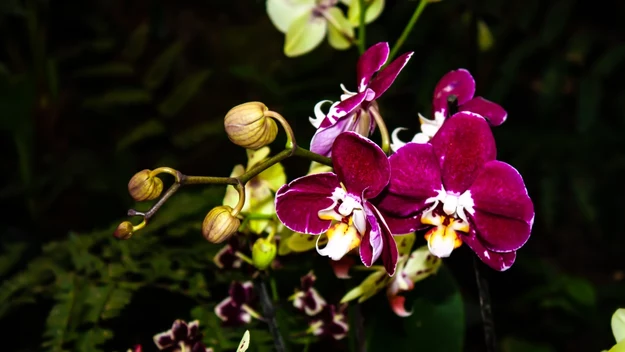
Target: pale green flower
point(307, 22)
point(618, 329)
point(259, 191)
point(374, 9)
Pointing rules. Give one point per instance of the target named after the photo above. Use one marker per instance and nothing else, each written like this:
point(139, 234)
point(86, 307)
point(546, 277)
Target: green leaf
point(436, 324)
point(11, 256)
point(111, 69)
point(89, 340)
point(119, 97)
point(159, 70)
point(581, 291)
point(199, 133)
point(118, 299)
point(96, 299)
point(181, 95)
point(58, 319)
point(149, 128)
point(136, 43)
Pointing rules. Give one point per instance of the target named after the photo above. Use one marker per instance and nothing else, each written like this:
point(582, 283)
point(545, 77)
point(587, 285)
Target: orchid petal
point(381, 239)
point(256, 156)
point(415, 177)
point(341, 267)
point(501, 234)
point(360, 165)
point(298, 203)
point(397, 143)
point(374, 9)
point(491, 111)
point(497, 261)
point(399, 225)
point(618, 325)
point(274, 177)
point(463, 145)
point(340, 32)
point(282, 13)
point(387, 76)
point(319, 114)
point(370, 62)
point(499, 190)
point(459, 83)
point(373, 284)
point(344, 108)
point(231, 197)
point(322, 141)
point(398, 305)
point(304, 34)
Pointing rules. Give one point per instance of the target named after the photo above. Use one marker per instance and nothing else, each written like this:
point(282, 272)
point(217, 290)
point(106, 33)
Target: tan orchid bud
point(248, 127)
point(143, 187)
point(220, 224)
point(124, 230)
point(263, 253)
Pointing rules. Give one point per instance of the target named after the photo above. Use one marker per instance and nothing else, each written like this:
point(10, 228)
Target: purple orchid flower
point(227, 257)
point(454, 186)
point(181, 337)
point(331, 323)
point(338, 203)
point(355, 110)
point(235, 310)
point(308, 300)
point(461, 85)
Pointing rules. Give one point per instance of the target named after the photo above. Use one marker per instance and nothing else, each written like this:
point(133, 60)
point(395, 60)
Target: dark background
point(88, 97)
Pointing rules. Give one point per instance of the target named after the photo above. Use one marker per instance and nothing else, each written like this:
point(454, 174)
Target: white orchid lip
point(342, 238)
point(456, 205)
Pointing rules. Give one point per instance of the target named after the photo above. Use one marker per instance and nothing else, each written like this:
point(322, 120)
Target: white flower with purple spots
point(454, 187)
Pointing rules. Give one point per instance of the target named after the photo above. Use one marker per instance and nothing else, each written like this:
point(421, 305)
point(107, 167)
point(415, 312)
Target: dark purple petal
point(241, 293)
point(497, 261)
point(499, 190)
point(366, 252)
point(344, 108)
point(401, 225)
point(415, 174)
point(501, 234)
point(360, 165)
point(322, 141)
point(370, 62)
point(463, 145)
point(307, 281)
point(298, 203)
point(387, 76)
point(199, 347)
point(389, 246)
point(231, 314)
point(459, 83)
point(164, 339)
point(226, 258)
point(194, 328)
point(179, 330)
point(493, 112)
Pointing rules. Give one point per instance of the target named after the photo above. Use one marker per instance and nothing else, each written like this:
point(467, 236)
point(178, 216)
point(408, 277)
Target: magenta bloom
point(461, 85)
point(181, 337)
point(339, 203)
point(354, 112)
point(456, 188)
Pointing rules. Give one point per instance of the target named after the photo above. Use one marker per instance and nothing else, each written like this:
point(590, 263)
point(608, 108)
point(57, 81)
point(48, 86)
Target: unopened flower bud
point(142, 186)
point(220, 224)
point(124, 230)
point(248, 127)
point(263, 253)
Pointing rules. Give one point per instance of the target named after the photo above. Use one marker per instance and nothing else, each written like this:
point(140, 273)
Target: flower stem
point(290, 136)
point(269, 312)
point(408, 29)
point(386, 140)
point(361, 27)
point(485, 308)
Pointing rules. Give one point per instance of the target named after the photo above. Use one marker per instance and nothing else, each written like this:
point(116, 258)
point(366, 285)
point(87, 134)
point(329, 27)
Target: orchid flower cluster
point(360, 199)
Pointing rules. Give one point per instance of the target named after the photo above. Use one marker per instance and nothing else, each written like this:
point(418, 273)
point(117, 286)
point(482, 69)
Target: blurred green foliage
point(92, 92)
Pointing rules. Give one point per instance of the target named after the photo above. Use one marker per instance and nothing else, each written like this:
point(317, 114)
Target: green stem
point(386, 140)
point(361, 28)
point(408, 29)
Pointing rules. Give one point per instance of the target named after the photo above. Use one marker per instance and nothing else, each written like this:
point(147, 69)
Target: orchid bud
point(248, 127)
point(143, 186)
point(220, 224)
point(263, 253)
point(124, 230)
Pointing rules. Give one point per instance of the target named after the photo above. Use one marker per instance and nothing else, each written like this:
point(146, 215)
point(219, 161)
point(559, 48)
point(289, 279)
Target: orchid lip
point(453, 204)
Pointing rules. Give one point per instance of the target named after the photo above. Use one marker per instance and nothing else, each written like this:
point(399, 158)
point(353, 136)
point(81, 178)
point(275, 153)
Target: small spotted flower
point(331, 322)
point(182, 337)
point(235, 309)
point(308, 299)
